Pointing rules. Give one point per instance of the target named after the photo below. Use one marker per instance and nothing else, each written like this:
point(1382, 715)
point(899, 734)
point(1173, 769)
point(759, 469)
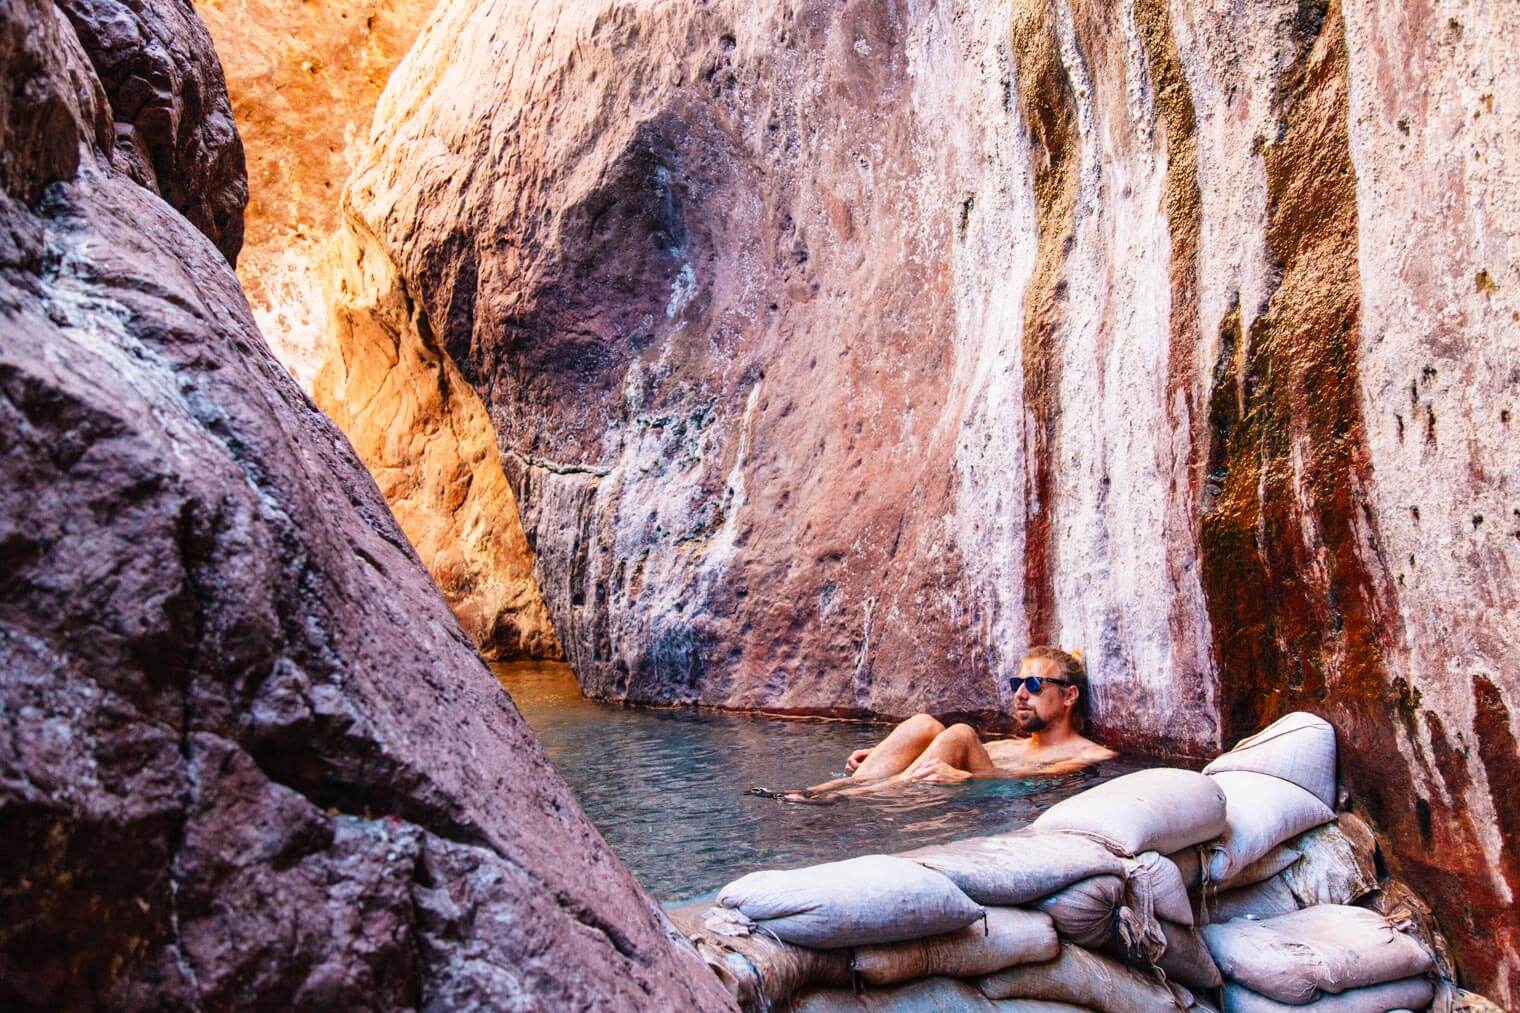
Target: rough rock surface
point(837, 352)
point(249, 759)
point(171, 119)
point(304, 87)
point(303, 78)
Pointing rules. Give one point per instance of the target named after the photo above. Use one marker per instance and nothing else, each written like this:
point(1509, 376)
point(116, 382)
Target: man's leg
point(892, 755)
point(959, 747)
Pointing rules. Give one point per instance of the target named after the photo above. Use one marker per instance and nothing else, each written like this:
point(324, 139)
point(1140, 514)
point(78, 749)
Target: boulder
point(250, 759)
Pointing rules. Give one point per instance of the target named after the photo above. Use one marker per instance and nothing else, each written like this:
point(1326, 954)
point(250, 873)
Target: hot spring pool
point(667, 787)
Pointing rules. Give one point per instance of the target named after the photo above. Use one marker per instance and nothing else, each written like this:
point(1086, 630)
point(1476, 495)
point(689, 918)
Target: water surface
point(666, 787)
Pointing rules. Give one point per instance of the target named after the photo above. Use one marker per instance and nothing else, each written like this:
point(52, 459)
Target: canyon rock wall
point(304, 87)
point(838, 352)
point(303, 79)
point(249, 759)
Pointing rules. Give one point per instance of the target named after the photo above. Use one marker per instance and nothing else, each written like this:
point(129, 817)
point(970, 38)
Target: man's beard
point(1031, 723)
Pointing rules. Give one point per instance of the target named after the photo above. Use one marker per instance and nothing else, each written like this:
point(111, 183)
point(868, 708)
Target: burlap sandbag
point(1267, 899)
point(1089, 980)
point(1093, 911)
point(940, 995)
point(1086, 912)
point(1410, 914)
point(1264, 811)
point(1298, 748)
point(1294, 958)
point(1404, 994)
point(1010, 936)
point(759, 971)
point(1451, 999)
point(1186, 958)
point(1190, 867)
point(873, 899)
point(1159, 876)
point(1338, 864)
point(1017, 867)
point(932, 995)
point(1164, 809)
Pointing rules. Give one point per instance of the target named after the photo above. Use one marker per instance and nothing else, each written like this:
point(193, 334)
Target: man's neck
point(1051, 736)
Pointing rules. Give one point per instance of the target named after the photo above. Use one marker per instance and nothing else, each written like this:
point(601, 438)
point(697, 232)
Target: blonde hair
point(1072, 670)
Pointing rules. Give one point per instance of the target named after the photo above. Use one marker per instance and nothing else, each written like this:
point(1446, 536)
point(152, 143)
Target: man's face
point(1037, 711)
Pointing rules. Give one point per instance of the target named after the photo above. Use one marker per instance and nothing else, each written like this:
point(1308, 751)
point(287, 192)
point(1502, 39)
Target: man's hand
point(856, 759)
point(937, 771)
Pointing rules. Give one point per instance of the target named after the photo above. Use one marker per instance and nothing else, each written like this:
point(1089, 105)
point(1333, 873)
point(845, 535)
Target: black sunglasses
point(1034, 683)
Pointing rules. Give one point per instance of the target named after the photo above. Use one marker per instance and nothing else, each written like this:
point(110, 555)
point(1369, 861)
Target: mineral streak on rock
point(1045, 98)
point(249, 759)
point(836, 352)
point(1434, 107)
point(304, 78)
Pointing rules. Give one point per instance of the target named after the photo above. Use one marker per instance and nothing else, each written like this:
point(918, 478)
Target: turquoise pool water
point(667, 787)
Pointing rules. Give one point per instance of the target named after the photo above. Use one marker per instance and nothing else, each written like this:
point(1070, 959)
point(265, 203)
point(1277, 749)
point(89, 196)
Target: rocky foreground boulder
point(249, 759)
point(838, 351)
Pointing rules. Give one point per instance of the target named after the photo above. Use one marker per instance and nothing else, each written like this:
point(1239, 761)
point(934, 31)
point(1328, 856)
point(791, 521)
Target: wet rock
point(837, 353)
point(249, 760)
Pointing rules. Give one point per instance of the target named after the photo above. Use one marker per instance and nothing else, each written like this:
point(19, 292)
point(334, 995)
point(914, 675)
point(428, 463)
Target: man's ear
point(1072, 693)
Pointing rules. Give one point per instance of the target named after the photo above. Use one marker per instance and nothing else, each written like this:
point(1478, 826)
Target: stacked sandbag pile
point(1171, 890)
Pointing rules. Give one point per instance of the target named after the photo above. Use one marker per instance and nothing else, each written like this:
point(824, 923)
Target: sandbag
point(872, 899)
point(1161, 878)
point(1098, 909)
point(1011, 936)
point(1412, 916)
point(1086, 912)
point(1293, 958)
point(1165, 810)
point(1186, 959)
point(1089, 980)
point(941, 995)
point(1404, 994)
point(1264, 811)
point(759, 971)
point(1190, 867)
point(1298, 748)
point(1451, 999)
point(1338, 864)
point(1266, 899)
point(1017, 867)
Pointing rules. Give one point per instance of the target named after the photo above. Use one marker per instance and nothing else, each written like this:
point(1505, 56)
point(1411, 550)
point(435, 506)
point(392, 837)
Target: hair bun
point(1076, 652)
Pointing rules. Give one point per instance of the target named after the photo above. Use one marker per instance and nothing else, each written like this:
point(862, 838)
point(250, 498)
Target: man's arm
point(937, 771)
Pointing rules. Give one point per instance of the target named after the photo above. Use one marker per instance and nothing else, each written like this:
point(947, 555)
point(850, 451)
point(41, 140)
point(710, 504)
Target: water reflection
point(666, 787)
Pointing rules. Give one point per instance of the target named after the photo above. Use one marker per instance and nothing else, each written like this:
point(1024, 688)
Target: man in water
point(1049, 705)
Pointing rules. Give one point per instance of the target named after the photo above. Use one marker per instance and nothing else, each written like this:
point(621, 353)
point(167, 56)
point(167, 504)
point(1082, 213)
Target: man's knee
point(960, 734)
point(923, 724)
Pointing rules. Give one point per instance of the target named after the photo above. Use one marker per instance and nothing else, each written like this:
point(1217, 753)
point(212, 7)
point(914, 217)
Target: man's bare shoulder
point(1093, 752)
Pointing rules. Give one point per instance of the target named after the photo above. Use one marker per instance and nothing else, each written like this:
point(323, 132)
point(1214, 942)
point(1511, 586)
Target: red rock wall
point(249, 759)
point(304, 79)
point(837, 352)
